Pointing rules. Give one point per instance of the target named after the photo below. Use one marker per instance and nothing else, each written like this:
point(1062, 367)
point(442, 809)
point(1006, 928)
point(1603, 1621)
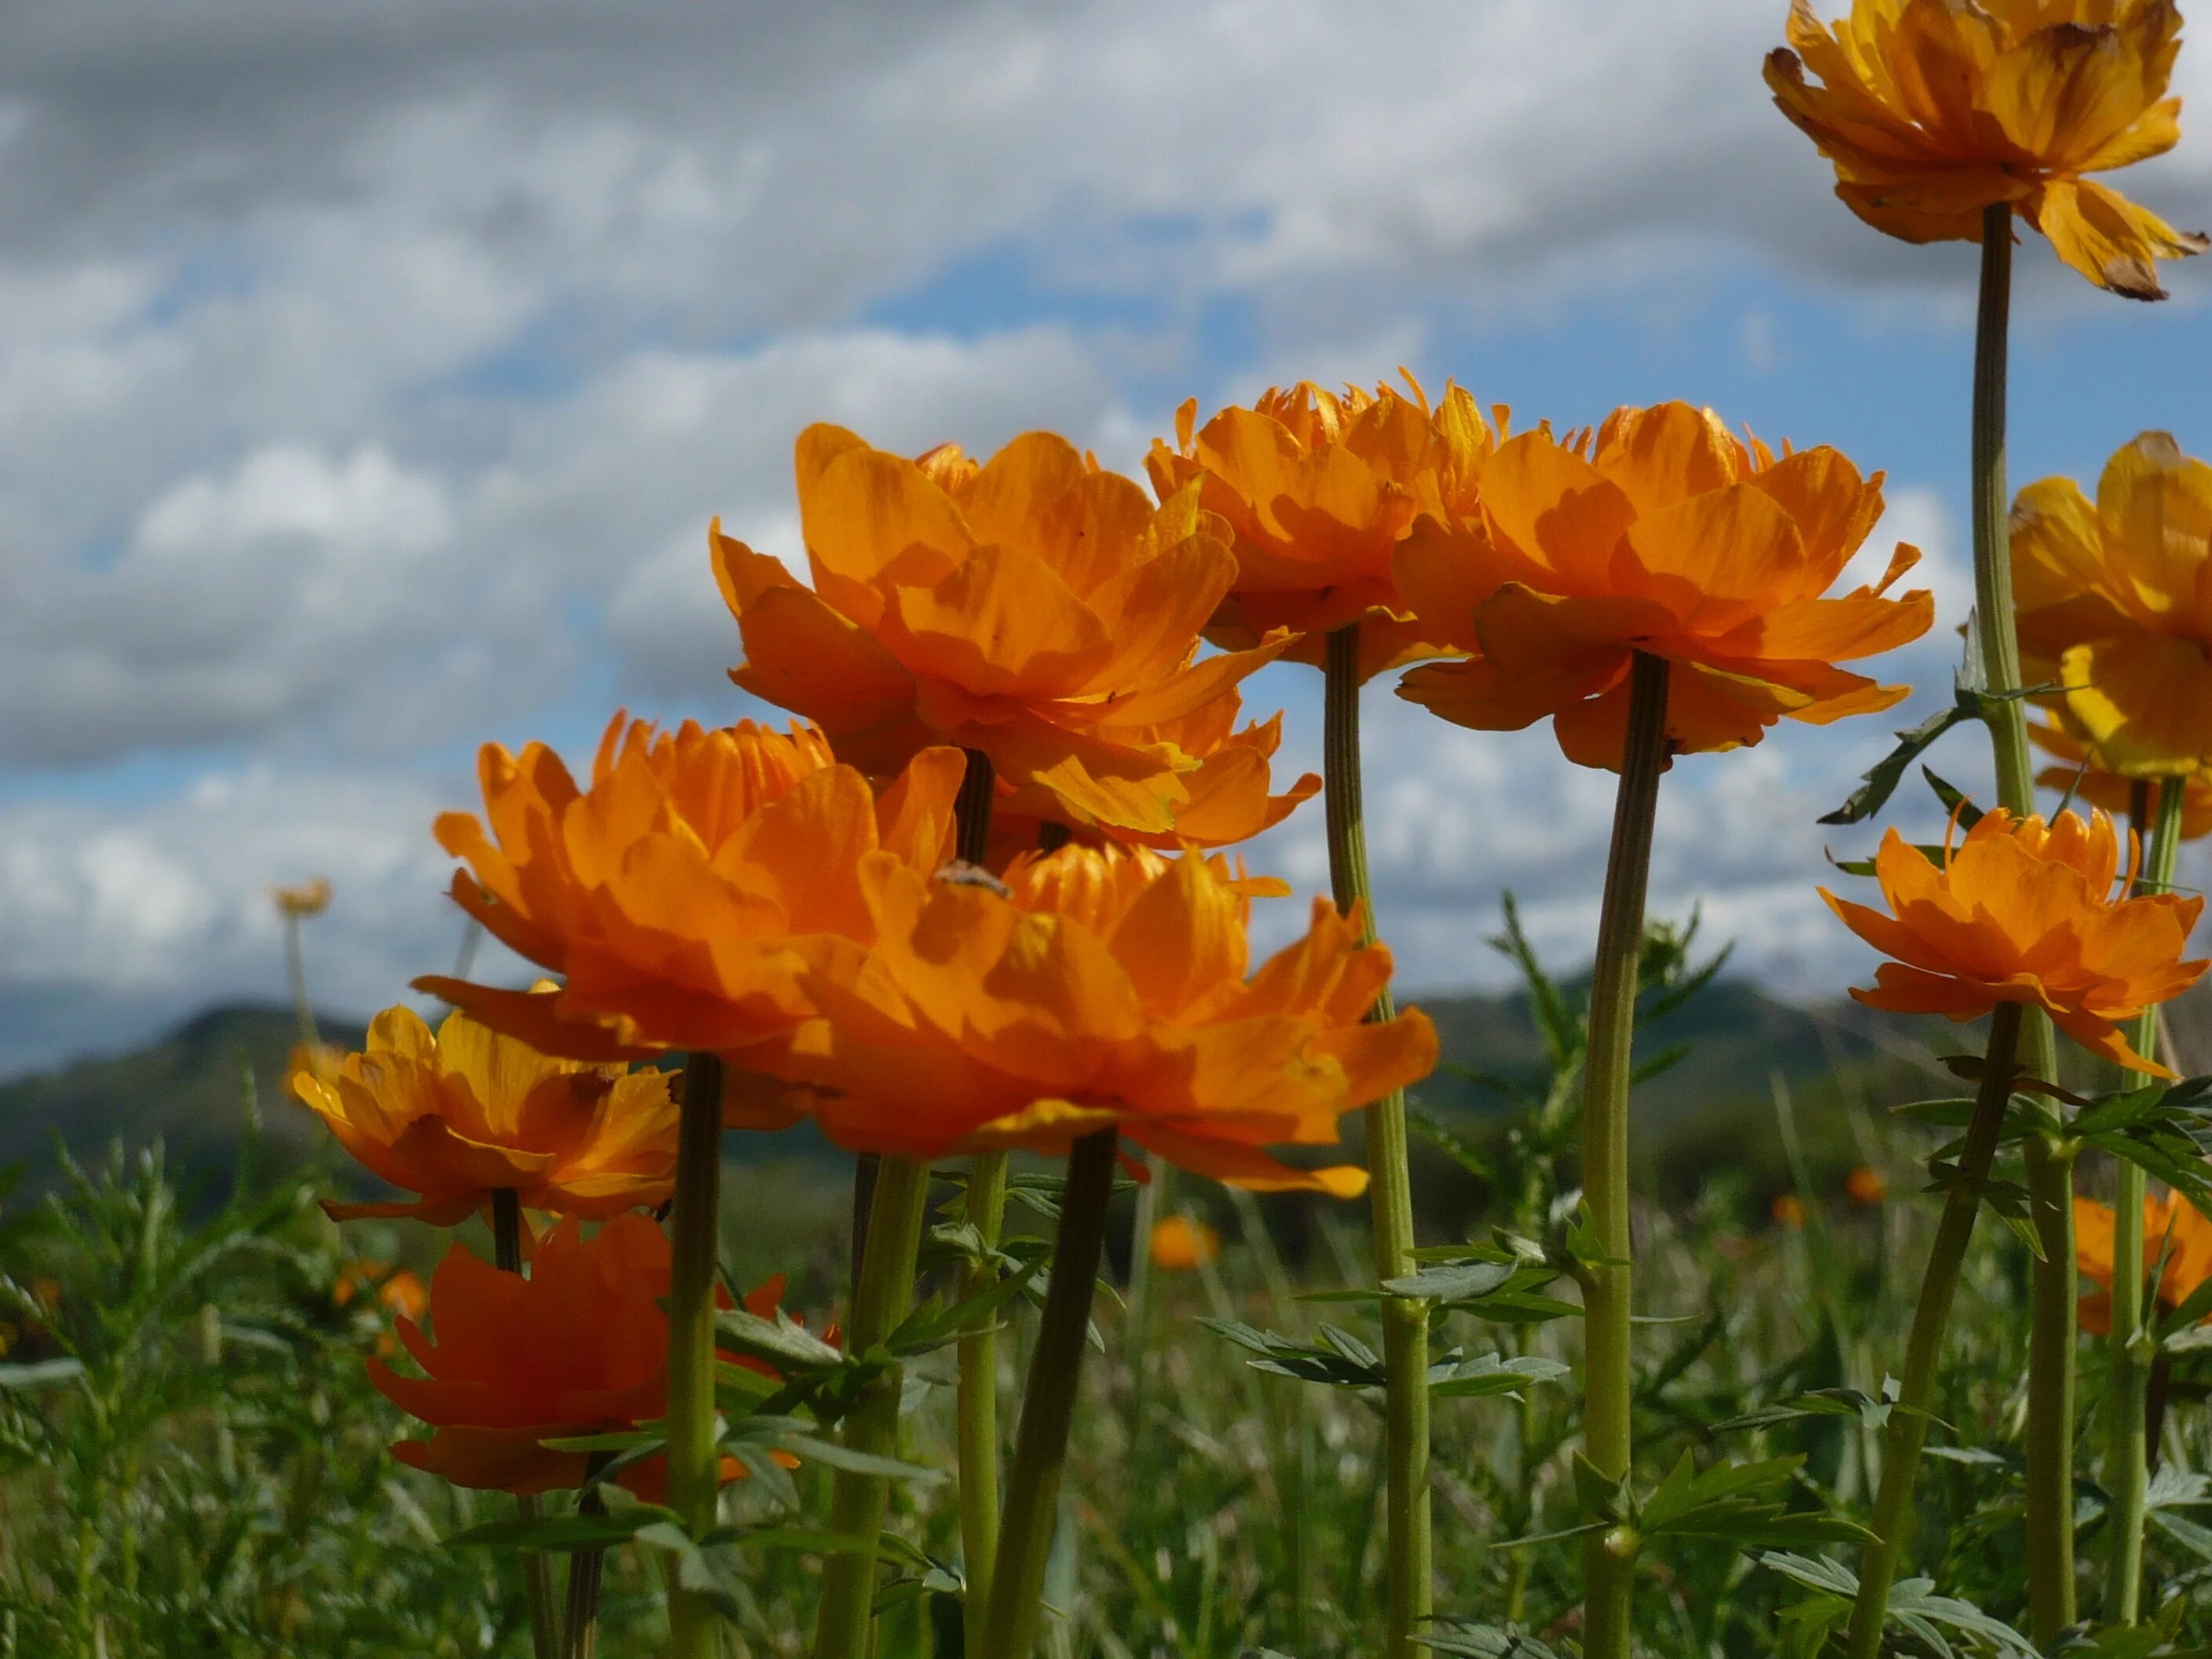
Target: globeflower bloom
point(578, 1347)
point(678, 893)
point(1319, 486)
point(1099, 989)
point(2025, 912)
point(1663, 534)
point(1934, 110)
point(1227, 796)
point(2114, 601)
point(1181, 1245)
point(457, 1116)
point(297, 901)
point(2172, 1228)
point(2081, 772)
point(1033, 607)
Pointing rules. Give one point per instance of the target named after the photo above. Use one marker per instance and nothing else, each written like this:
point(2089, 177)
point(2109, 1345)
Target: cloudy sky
point(368, 373)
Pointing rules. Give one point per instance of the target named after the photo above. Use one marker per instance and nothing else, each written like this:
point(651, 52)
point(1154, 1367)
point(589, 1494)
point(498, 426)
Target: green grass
point(192, 1463)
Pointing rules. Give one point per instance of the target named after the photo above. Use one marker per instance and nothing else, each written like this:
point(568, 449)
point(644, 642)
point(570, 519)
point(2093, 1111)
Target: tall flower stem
point(978, 1405)
point(296, 976)
point(579, 1624)
point(695, 1225)
point(2127, 1434)
point(2048, 1157)
point(857, 1501)
point(1048, 1402)
point(1608, 1560)
point(1390, 1192)
point(1907, 1430)
point(537, 1568)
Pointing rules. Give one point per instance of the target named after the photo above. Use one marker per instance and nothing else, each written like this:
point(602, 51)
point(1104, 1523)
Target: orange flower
point(1320, 488)
point(1787, 1211)
point(457, 1116)
point(2022, 912)
point(2114, 602)
point(1095, 989)
point(2172, 1226)
point(1933, 110)
point(300, 899)
point(400, 1292)
point(675, 894)
point(1181, 1245)
point(1034, 608)
point(1867, 1185)
point(322, 1062)
point(2078, 773)
point(1228, 800)
point(578, 1347)
point(1664, 535)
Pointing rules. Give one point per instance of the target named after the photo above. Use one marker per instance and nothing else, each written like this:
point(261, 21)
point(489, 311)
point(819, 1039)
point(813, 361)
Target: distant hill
point(188, 1087)
point(1714, 1107)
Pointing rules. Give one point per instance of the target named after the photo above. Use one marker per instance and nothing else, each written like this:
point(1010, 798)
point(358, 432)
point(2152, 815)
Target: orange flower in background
point(1228, 799)
point(298, 900)
point(578, 1347)
point(1098, 989)
point(1319, 488)
point(399, 1291)
point(1787, 1211)
point(1867, 1185)
point(1181, 1245)
point(457, 1116)
point(1933, 110)
point(1034, 608)
point(676, 893)
point(1663, 534)
point(2029, 912)
point(2079, 774)
point(2173, 1227)
point(2114, 602)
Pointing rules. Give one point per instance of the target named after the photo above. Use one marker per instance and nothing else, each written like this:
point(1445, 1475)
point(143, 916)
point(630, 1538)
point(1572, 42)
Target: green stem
point(536, 1567)
point(1907, 1430)
point(295, 976)
point(2127, 1436)
point(695, 1225)
point(979, 1395)
point(2051, 1376)
point(1048, 1402)
point(857, 1501)
point(1390, 1193)
point(580, 1626)
point(1609, 1386)
point(978, 1392)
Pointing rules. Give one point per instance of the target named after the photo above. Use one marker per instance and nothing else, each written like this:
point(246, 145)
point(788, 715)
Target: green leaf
point(1461, 1282)
point(41, 1373)
point(1871, 1411)
point(564, 1533)
point(781, 1342)
point(1880, 779)
point(1491, 1375)
point(1464, 1640)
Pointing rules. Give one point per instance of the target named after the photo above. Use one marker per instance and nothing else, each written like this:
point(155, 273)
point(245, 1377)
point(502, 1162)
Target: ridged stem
point(1391, 1191)
point(579, 1624)
point(1907, 1428)
point(1609, 1560)
point(2054, 1290)
point(2127, 1435)
point(857, 1501)
point(1048, 1402)
point(695, 1225)
point(537, 1568)
point(978, 1392)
